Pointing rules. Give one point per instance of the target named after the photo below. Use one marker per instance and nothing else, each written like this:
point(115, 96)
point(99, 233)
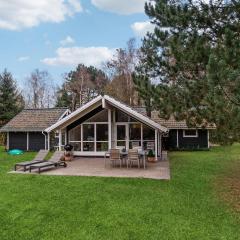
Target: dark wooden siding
point(36, 141)
point(170, 142)
point(18, 140)
point(200, 142)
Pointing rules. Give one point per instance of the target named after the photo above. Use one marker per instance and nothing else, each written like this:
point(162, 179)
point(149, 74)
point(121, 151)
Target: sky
point(56, 35)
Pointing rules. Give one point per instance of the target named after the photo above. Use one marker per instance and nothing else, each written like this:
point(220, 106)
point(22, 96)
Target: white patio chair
point(115, 156)
point(133, 157)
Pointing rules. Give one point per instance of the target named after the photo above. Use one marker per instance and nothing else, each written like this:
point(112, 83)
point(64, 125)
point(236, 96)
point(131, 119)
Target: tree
point(40, 90)
point(81, 85)
point(63, 98)
point(120, 70)
point(11, 100)
point(144, 87)
point(187, 64)
point(223, 72)
point(143, 76)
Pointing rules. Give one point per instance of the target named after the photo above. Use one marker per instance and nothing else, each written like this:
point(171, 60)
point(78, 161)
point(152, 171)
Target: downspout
point(45, 139)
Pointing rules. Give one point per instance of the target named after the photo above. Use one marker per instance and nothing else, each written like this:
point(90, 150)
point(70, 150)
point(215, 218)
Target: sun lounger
point(54, 162)
point(38, 159)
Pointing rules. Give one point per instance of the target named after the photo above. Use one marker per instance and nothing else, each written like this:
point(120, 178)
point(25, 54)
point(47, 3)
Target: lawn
point(189, 206)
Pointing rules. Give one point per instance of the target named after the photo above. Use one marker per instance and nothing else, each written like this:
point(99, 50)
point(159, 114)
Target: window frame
point(94, 141)
point(190, 136)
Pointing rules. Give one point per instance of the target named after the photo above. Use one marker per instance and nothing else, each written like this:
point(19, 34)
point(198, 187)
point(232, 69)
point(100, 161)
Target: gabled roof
point(100, 101)
point(34, 120)
point(170, 123)
point(135, 114)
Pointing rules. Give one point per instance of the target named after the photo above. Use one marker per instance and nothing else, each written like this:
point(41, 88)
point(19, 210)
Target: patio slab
point(83, 166)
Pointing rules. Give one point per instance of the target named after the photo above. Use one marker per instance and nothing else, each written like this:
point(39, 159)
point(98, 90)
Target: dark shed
point(24, 131)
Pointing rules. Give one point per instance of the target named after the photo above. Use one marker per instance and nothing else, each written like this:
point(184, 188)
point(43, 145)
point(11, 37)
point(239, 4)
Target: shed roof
point(34, 120)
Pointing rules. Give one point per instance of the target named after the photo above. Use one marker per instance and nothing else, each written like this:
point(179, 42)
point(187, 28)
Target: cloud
point(67, 40)
point(19, 14)
point(71, 56)
point(124, 7)
point(23, 59)
point(140, 29)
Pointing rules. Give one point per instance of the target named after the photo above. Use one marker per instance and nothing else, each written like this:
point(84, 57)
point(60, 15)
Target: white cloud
point(67, 40)
point(124, 7)
point(142, 28)
point(71, 56)
point(23, 59)
point(19, 14)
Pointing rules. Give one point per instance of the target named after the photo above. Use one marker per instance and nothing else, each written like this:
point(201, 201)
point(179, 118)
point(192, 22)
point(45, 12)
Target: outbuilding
point(25, 130)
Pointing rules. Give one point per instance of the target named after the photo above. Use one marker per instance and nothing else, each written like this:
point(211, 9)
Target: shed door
point(36, 141)
point(18, 140)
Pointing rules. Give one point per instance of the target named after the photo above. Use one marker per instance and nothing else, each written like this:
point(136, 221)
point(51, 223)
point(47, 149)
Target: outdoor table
point(124, 154)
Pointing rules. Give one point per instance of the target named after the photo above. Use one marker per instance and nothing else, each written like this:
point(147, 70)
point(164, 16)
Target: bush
point(3, 139)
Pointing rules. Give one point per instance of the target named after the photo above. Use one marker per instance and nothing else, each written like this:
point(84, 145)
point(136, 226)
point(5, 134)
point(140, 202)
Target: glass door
point(122, 135)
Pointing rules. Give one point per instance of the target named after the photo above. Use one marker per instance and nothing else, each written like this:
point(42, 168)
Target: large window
point(75, 138)
point(88, 137)
point(75, 134)
point(148, 138)
point(99, 117)
point(102, 137)
point(102, 132)
point(76, 146)
point(121, 135)
point(94, 137)
point(121, 116)
point(134, 135)
point(148, 133)
point(88, 132)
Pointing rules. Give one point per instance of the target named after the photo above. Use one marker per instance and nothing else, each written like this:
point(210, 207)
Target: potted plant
point(68, 156)
point(151, 156)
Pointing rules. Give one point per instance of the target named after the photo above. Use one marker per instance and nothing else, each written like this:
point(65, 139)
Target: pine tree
point(11, 100)
point(223, 100)
point(195, 62)
point(63, 98)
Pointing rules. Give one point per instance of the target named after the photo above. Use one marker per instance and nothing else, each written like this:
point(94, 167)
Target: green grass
point(56, 207)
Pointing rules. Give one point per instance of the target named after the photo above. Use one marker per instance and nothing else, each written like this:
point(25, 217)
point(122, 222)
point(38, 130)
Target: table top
point(125, 153)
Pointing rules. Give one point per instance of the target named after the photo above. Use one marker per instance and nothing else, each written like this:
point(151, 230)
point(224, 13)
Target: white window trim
point(190, 136)
point(89, 141)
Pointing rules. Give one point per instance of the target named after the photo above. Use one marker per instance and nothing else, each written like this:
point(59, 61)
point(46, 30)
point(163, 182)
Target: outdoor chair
point(54, 162)
point(39, 158)
point(115, 157)
point(133, 157)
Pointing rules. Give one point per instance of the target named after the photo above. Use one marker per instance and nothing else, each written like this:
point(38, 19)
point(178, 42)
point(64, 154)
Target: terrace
point(90, 166)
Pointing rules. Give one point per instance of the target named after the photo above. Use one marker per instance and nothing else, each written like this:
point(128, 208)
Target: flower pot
point(151, 159)
point(68, 156)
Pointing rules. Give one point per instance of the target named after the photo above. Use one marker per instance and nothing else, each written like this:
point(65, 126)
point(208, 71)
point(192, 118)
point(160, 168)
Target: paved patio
point(95, 167)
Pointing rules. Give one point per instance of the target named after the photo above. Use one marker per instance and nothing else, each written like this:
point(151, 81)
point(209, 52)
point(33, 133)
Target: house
point(99, 125)
point(26, 130)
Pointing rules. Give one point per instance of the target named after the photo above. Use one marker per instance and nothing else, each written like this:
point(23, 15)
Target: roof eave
point(113, 102)
point(72, 115)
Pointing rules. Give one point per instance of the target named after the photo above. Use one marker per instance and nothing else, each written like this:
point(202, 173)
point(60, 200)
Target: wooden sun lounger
point(54, 161)
point(38, 159)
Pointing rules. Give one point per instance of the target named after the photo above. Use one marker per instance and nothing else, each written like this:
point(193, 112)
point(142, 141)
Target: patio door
point(122, 135)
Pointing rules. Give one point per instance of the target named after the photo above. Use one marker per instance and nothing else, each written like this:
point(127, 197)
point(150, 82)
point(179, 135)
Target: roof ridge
point(53, 108)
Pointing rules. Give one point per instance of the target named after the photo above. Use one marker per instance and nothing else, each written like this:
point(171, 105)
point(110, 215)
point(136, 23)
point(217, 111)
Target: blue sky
point(55, 35)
